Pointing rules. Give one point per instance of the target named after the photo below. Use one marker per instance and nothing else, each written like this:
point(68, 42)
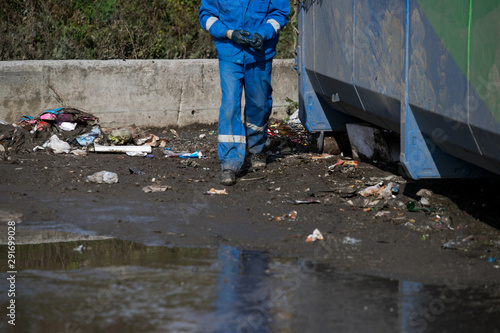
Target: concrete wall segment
point(126, 92)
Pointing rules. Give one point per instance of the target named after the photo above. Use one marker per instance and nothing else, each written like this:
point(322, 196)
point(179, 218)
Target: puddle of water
point(118, 286)
point(34, 235)
point(111, 216)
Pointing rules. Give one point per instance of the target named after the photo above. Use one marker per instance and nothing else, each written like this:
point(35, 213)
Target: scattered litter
point(294, 118)
point(315, 236)
point(394, 178)
point(121, 149)
point(290, 216)
point(424, 201)
point(382, 213)
point(376, 204)
point(388, 191)
point(346, 165)
point(412, 207)
point(395, 188)
point(189, 163)
point(156, 188)
point(170, 153)
point(425, 193)
point(196, 154)
point(137, 153)
point(67, 126)
point(213, 191)
point(79, 152)
point(351, 241)
point(120, 136)
point(162, 143)
point(490, 259)
point(468, 238)
point(135, 171)
point(371, 190)
point(174, 132)
point(57, 145)
point(103, 177)
point(54, 118)
point(202, 136)
point(359, 202)
point(88, 138)
point(304, 202)
point(451, 245)
point(151, 140)
point(323, 156)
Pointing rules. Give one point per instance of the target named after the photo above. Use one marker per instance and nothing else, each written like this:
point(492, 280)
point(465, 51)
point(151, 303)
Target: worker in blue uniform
point(245, 33)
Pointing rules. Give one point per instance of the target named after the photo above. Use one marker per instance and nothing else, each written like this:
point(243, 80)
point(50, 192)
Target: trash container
point(424, 69)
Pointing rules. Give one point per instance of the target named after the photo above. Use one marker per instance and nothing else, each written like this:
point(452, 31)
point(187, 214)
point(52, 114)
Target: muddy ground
point(455, 238)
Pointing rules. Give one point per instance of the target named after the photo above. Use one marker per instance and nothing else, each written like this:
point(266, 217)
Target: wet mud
point(185, 261)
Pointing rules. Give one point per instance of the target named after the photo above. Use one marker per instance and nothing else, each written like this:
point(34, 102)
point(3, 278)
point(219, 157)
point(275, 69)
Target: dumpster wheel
point(333, 143)
point(320, 141)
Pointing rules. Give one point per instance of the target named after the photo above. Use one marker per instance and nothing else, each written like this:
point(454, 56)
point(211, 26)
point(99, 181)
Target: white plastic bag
point(103, 177)
point(57, 145)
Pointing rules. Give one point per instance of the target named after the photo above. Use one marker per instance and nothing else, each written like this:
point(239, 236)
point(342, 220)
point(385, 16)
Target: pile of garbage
point(69, 130)
point(290, 137)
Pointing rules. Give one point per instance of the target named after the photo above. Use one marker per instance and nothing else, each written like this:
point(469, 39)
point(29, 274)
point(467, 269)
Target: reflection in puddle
point(118, 286)
point(242, 290)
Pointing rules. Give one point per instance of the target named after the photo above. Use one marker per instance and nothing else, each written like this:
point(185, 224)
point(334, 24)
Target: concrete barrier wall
point(125, 92)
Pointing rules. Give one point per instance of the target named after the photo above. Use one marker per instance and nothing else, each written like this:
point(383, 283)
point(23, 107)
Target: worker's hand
point(257, 42)
point(241, 37)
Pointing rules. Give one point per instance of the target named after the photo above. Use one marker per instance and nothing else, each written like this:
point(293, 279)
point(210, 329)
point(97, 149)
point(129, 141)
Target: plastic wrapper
point(105, 177)
point(315, 236)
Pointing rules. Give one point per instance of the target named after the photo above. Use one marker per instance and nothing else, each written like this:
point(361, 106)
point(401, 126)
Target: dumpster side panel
point(334, 43)
point(484, 78)
point(380, 58)
point(437, 90)
point(332, 59)
point(424, 68)
point(442, 96)
point(308, 97)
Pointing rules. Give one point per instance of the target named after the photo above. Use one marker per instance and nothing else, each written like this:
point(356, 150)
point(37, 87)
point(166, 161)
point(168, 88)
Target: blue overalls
point(242, 67)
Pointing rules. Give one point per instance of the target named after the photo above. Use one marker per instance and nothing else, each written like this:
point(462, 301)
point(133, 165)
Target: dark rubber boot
point(258, 161)
point(228, 177)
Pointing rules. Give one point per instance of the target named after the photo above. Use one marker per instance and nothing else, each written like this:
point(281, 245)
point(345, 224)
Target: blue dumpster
point(427, 70)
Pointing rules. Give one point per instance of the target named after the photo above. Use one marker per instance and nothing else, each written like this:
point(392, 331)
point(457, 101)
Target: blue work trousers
point(236, 136)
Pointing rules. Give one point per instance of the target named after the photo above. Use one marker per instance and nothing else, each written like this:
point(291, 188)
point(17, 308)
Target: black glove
point(257, 42)
point(241, 37)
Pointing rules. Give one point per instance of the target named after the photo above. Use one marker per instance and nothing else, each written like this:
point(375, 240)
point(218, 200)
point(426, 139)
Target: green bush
point(109, 29)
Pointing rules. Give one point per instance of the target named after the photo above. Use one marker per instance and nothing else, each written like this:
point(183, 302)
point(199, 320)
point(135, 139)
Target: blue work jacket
point(266, 17)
